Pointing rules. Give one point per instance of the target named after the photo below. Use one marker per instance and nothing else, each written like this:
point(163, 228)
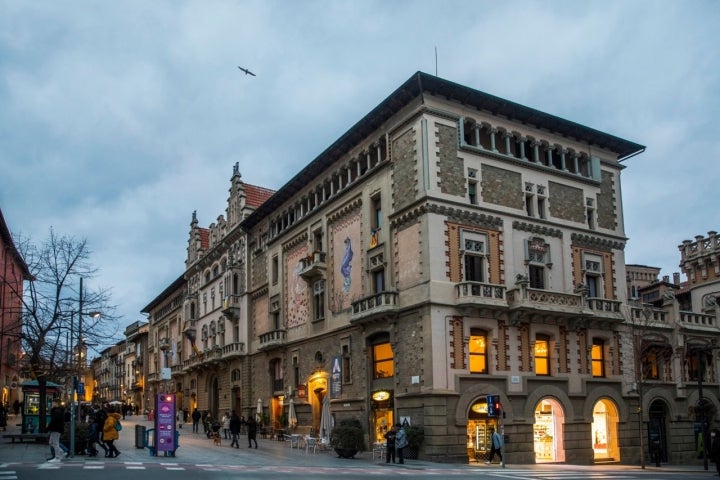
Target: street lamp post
point(80, 365)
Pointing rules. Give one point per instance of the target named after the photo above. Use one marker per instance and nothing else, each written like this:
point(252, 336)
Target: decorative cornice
point(302, 238)
point(259, 293)
point(589, 241)
point(353, 204)
point(465, 216)
point(537, 229)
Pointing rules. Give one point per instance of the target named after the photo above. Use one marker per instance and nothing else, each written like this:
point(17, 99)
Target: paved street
point(197, 456)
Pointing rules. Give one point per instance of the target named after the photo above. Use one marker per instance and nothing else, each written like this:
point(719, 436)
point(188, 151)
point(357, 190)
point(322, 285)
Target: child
point(93, 437)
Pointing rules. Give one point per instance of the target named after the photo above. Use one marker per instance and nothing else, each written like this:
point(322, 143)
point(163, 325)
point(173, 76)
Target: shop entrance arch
point(604, 431)
point(548, 436)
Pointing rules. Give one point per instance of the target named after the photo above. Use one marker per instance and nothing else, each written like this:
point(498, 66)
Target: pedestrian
point(715, 448)
point(234, 425)
point(100, 417)
point(196, 420)
point(207, 420)
point(56, 429)
point(226, 425)
point(243, 423)
point(16, 407)
point(390, 444)
point(3, 417)
point(111, 433)
point(401, 442)
point(93, 437)
point(495, 446)
point(251, 432)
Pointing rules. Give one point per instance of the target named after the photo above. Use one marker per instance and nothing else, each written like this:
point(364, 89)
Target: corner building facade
point(450, 247)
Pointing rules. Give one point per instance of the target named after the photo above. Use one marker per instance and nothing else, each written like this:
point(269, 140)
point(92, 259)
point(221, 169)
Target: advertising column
point(165, 423)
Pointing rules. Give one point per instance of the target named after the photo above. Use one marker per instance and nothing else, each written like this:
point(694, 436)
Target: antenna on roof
point(436, 60)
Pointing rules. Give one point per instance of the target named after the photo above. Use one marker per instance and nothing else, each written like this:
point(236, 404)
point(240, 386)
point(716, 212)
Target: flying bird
point(247, 72)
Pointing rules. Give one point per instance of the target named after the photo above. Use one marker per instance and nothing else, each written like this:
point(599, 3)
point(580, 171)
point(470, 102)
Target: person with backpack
point(111, 432)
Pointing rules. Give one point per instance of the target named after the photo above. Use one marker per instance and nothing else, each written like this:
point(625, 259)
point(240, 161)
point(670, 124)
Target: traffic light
point(492, 402)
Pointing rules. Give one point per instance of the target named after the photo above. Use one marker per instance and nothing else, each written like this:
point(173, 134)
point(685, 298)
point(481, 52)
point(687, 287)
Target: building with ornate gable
point(451, 255)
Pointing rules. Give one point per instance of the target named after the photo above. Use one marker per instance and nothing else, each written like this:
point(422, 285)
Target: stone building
point(451, 255)
point(13, 273)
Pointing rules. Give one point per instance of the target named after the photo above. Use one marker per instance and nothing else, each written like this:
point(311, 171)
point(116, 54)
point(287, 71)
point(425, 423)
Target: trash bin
point(139, 436)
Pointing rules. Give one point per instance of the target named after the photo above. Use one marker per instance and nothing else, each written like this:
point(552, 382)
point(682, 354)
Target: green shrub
point(348, 435)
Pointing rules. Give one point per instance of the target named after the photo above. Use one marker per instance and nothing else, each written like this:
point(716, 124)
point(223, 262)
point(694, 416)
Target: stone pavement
point(196, 448)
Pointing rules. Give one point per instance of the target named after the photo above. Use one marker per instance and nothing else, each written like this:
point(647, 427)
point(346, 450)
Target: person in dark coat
point(234, 429)
point(252, 432)
point(715, 448)
point(390, 445)
point(196, 420)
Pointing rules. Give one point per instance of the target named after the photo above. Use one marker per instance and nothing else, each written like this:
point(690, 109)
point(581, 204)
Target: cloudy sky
point(118, 119)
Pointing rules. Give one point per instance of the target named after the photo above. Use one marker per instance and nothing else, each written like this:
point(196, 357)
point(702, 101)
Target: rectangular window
point(536, 276)
point(276, 320)
point(477, 352)
point(275, 270)
point(318, 241)
point(376, 213)
point(346, 376)
point(319, 300)
point(529, 209)
point(598, 358)
point(541, 207)
point(379, 281)
point(472, 193)
point(383, 361)
point(474, 251)
point(542, 356)
point(651, 367)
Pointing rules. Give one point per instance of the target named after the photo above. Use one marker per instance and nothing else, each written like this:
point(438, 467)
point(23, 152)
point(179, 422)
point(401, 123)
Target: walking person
point(93, 437)
point(390, 444)
point(196, 420)
point(226, 425)
point(715, 448)
point(56, 429)
point(252, 432)
point(495, 446)
point(401, 441)
point(111, 433)
point(234, 429)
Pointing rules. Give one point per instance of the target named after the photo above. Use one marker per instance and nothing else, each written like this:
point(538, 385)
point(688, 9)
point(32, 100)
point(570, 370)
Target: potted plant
point(347, 438)
point(415, 436)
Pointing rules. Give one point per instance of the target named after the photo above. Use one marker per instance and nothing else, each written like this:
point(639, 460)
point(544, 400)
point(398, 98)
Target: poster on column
point(165, 423)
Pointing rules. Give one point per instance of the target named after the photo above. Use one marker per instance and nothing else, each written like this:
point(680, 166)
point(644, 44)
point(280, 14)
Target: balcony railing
point(479, 295)
point(275, 338)
point(605, 308)
point(313, 266)
point(375, 306)
point(233, 350)
point(698, 320)
point(231, 306)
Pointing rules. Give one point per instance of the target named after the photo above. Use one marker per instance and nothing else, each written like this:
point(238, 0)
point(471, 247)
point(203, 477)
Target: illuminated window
point(542, 356)
point(598, 358)
point(383, 361)
point(477, 350)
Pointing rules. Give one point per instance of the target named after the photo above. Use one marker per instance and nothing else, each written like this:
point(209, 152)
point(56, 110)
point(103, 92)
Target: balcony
point(164, 344)
point(605, 309)
point(192, 363)
point(231, 306)
point(273, 339)
point(698, 322)
point(313, 266)
point(177, 370)
point(481, 296)
point(375, 307)
point(233, 350)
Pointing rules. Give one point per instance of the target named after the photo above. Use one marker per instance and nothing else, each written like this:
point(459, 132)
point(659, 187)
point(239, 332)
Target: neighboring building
point(13, 272)
point(136, 347)
point(451, 248)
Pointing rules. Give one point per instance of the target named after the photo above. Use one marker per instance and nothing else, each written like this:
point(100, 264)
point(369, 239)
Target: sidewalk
point(196, 448)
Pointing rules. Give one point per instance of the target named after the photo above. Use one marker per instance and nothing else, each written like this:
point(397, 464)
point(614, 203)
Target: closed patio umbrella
point(292, 416)
point(325, 420)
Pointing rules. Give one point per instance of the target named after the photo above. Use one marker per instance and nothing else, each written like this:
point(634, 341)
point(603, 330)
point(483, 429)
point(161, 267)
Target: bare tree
point(52, 305)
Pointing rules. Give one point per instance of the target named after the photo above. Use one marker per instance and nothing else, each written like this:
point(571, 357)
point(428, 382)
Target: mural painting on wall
point(297, 288)
point(346, 267)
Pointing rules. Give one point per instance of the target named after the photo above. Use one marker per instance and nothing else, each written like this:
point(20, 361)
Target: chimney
point(666, 278)
point(676, 278)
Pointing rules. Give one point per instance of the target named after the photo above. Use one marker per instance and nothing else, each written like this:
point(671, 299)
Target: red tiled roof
point(256, 196)
point(204, 238)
